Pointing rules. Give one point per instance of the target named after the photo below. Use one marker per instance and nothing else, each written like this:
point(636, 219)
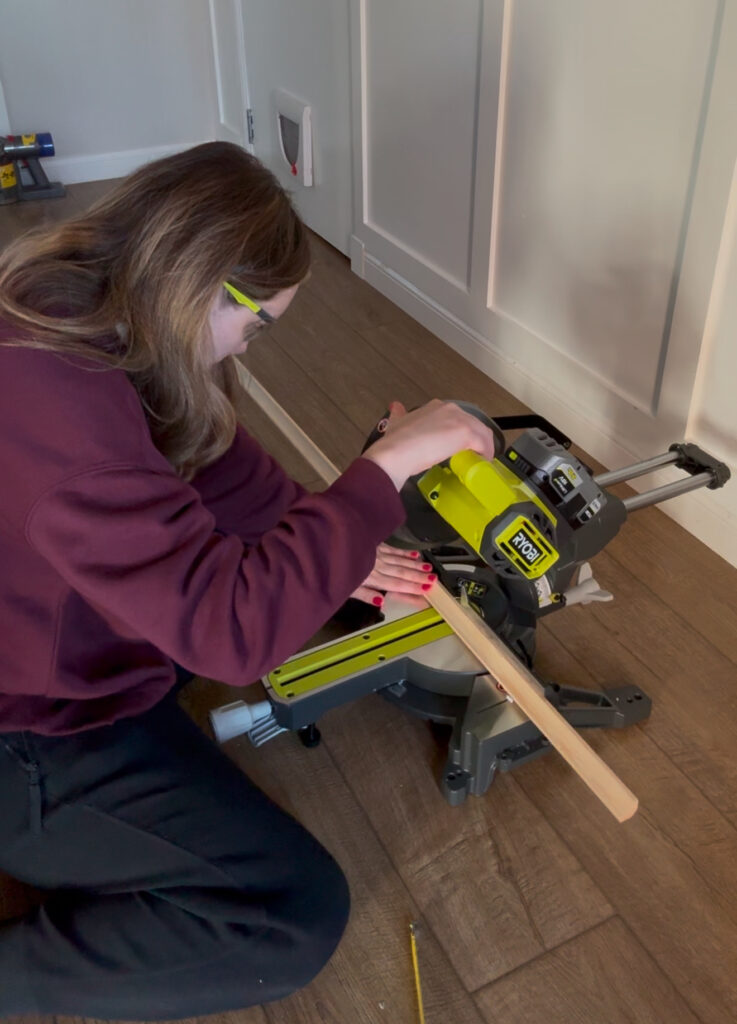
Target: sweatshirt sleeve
point(246, 490)
point(141, 546)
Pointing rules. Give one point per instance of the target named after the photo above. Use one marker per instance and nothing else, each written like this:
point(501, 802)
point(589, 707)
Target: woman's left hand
point(401, 574)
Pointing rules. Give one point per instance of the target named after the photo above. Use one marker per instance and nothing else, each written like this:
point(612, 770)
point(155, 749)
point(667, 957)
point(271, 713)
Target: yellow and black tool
point(511, 538)
point(22, 177)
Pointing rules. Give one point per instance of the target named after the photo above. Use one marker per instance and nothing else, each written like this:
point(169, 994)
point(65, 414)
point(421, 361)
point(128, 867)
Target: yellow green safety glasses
point(243, 300)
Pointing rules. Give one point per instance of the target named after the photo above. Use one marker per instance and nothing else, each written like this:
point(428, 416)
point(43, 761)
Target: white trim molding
point(4, 116)
point(229, 55)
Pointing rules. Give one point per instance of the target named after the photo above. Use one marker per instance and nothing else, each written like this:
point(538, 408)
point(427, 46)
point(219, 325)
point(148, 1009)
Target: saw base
point(415, 662)
point(489, 734)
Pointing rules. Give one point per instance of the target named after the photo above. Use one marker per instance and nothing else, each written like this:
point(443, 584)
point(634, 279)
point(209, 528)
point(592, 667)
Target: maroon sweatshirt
point(112, 567)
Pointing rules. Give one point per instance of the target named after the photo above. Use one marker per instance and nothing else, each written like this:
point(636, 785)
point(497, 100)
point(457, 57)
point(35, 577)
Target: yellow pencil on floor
point(416, 967)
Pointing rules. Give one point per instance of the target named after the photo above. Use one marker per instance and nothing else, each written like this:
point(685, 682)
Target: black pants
point(177, 887)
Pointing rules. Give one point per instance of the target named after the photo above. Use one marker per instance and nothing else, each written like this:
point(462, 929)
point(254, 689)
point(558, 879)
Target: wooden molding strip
point(291, 430)
point(484, 644)
point(528, 694)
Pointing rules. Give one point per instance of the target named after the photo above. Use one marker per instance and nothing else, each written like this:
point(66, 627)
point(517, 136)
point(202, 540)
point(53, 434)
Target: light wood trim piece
point(527, 693)
point(291, 430)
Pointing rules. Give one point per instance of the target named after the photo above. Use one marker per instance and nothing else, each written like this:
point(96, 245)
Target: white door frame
point(231, 77)
point(4, 118)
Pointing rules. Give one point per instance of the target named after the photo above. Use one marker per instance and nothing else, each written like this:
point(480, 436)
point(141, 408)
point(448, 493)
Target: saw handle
point(523, 421)
point(694, 460)
point(377, 433)
point(494, 426)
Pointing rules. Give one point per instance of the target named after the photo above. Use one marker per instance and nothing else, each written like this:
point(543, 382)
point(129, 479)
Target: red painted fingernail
point(378, 601)
point(414, 554)
point(432, 577)
point(426, 586)
point(426, 566)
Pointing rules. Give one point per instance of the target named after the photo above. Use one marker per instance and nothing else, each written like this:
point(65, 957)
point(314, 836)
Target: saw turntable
point(510, 539)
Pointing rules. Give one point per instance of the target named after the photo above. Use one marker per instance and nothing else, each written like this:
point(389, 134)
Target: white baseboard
point(70, 170)
point(709, 516)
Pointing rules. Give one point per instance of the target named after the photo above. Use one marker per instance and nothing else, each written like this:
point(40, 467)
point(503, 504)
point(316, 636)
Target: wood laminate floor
point(535, 906)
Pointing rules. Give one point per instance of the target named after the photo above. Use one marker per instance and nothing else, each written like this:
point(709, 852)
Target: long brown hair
point(130, 284)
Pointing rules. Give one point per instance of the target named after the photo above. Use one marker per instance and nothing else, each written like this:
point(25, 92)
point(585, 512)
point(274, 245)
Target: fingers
point(369, 596)
point(373, 597)
point(399, 571)
point(390, 582)
point(389, 574)
point(395, 585)
point(412, 601)
point(486, 445)
point(389, 549)
point(397, 564)
point(397, 409)
point(400, 580)
point(396, 412)
point(479, 437)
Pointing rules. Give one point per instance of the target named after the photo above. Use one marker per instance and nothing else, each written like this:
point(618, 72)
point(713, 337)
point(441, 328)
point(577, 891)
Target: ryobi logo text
point(522, 543)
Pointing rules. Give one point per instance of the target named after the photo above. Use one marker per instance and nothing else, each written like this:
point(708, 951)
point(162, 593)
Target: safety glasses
point(243, 300)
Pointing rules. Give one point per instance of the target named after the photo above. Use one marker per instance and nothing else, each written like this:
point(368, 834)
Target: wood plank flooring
point(535, 906)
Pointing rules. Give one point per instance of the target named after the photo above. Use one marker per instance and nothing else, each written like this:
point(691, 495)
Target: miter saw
point(510, 538)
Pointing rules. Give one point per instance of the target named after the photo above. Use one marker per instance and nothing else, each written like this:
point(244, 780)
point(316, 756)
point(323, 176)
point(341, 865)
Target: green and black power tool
point(512, 539)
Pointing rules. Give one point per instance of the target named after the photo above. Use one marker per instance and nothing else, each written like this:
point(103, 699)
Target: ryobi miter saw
point(511, 539)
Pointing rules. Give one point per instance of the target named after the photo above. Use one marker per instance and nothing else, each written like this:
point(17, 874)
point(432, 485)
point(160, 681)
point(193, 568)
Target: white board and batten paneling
point(546, 186)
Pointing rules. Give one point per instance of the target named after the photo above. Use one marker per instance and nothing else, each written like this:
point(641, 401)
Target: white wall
point(116, 82)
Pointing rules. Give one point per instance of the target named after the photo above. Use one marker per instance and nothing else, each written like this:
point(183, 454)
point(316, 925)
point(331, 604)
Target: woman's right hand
point(414, 441)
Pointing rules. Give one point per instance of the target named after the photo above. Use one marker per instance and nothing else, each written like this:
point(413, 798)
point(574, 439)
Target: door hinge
point(249, 125)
